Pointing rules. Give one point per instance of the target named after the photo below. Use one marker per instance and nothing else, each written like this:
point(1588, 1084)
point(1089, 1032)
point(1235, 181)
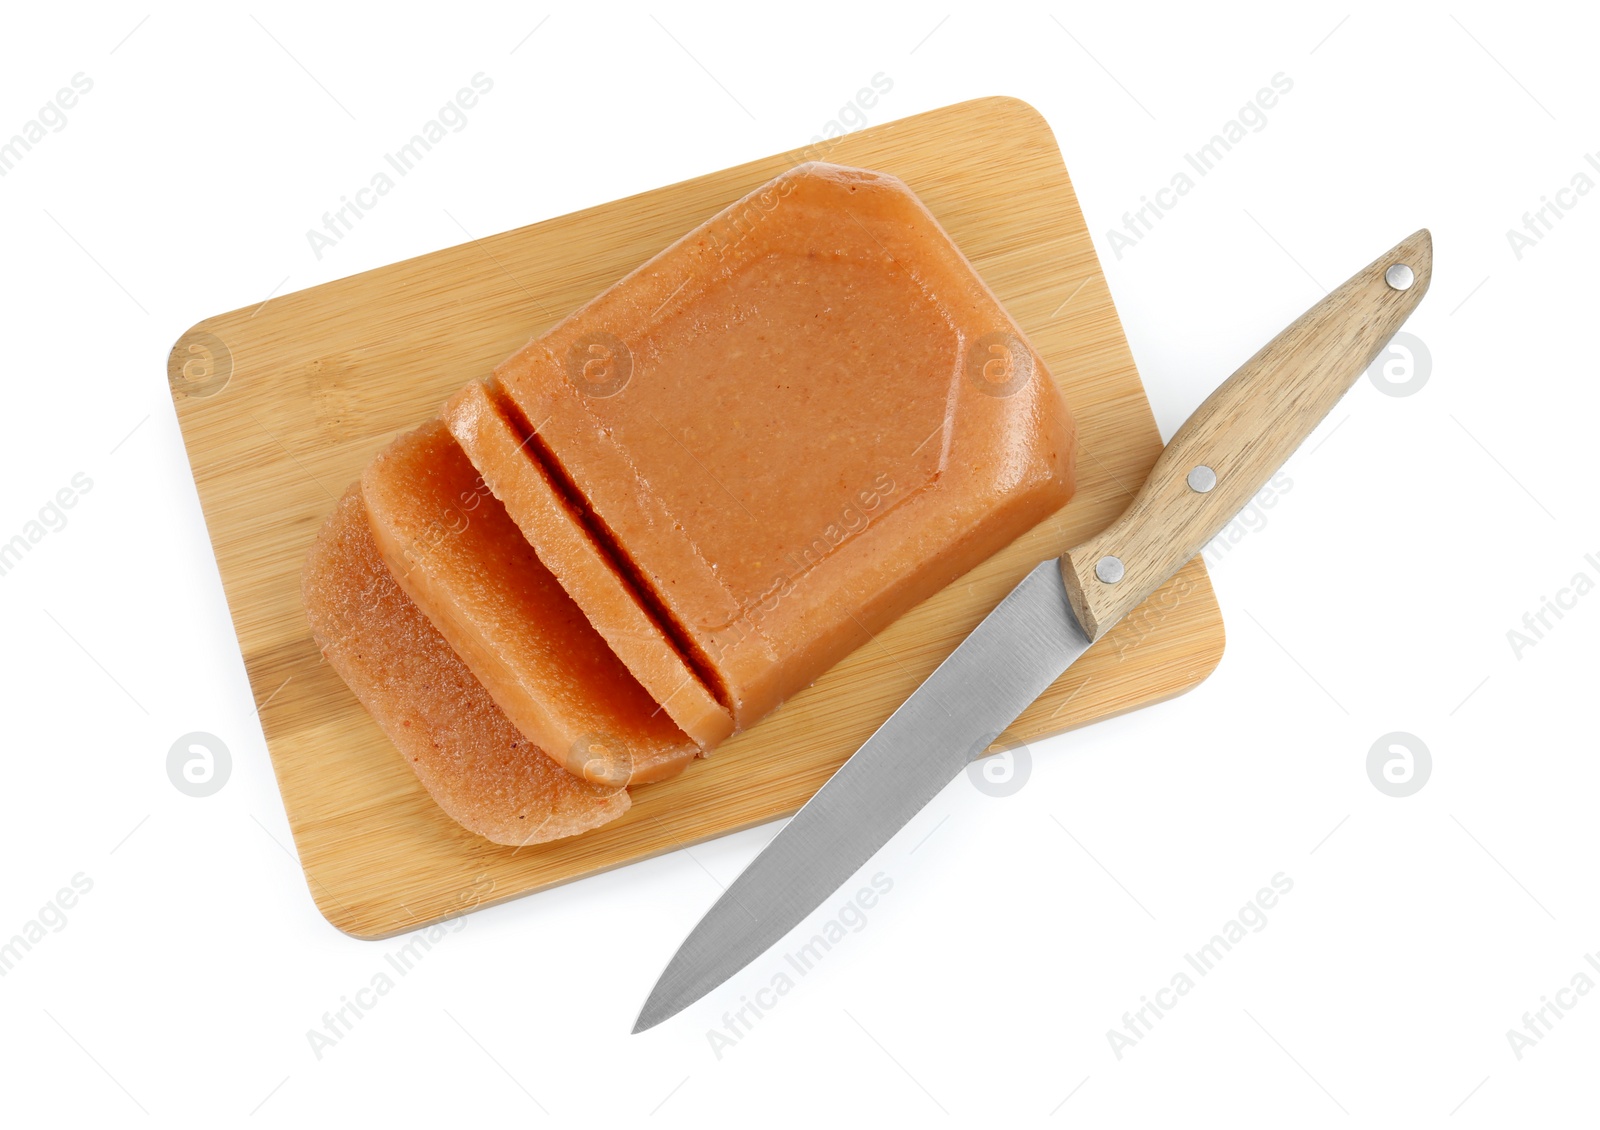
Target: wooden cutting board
point(283, 404)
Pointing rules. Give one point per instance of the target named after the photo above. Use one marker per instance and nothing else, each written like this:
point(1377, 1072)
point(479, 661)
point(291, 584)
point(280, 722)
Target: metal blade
point(1020, 649)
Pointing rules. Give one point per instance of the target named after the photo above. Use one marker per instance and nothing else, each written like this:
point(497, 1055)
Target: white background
point(1377, 597)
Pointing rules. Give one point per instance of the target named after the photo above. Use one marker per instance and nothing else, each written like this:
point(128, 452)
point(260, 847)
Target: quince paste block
point(453, 549)
point(476, 765)
point(792, 425)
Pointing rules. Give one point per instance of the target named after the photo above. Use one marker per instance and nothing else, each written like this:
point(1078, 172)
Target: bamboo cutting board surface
point(282, 405)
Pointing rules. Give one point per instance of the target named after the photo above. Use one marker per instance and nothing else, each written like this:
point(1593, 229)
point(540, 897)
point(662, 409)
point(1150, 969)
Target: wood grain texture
point(1245, 431)
point(281, 406)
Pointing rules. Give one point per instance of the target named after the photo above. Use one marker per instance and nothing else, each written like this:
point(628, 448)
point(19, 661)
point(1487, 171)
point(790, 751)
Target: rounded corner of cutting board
point(1011, 106)
point(1214, 642)
point(1206, 634)
point(347, 920)
point(200, 339)
point(1007, 106)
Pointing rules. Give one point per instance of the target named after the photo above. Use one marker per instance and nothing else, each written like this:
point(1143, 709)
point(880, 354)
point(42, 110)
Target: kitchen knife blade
point(1215, 463)
point(953, 717)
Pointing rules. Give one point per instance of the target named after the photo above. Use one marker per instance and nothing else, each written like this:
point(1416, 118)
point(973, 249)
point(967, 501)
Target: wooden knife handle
point(1243, 433)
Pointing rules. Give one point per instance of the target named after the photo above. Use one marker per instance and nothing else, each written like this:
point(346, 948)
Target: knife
point(1222, 455)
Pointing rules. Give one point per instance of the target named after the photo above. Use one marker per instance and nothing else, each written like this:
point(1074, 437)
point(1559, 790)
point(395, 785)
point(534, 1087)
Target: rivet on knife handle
point(1246, 430)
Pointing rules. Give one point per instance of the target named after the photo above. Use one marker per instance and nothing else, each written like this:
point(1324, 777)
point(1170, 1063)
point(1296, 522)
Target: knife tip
point(657, 1008)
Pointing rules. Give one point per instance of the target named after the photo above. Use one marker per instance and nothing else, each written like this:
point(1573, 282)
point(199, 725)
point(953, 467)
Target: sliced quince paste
point(500, 445)
point(474, 763)
point(458, 555)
